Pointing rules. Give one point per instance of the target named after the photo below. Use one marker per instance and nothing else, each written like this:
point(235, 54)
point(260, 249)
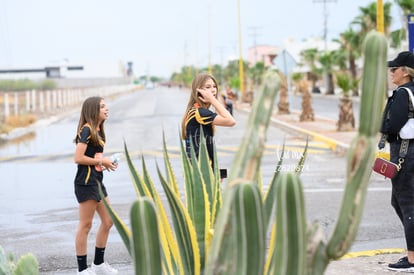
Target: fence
point(49, 102)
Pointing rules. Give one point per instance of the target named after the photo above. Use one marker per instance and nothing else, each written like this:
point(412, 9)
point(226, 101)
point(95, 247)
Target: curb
point(370, 253)
point(333, 144)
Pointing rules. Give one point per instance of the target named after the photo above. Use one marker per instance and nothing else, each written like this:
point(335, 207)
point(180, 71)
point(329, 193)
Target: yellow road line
point(370, 253)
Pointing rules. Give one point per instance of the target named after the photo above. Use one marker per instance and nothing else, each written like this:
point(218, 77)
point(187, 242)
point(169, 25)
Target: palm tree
point(307, 110)
point(346, 121)
point(310, 57)
point(326, 59)
point(256, 72)
point(407, 7)
point(367, 20)
point(283, 105)
point(350, 42)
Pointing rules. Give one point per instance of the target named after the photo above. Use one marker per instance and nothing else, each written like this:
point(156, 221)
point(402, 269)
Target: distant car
point(149, 85)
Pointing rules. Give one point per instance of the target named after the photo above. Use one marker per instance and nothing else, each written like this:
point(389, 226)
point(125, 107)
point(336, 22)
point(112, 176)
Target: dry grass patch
point(17, 121)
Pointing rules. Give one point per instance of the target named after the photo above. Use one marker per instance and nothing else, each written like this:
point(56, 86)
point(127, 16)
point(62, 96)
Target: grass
point(13, 122)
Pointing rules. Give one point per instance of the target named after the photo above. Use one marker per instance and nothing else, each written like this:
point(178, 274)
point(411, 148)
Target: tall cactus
point(363, 147)
point(245, 168)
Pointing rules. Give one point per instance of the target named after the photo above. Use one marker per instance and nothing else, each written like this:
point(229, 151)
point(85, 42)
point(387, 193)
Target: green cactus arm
point(317, 259)
point(184, 230)
point(146, 252)
point(244, 250)
point(374, 83)
point(27, 264)
point(362, 153)
point(246, 163)
point(363, 148)
point(250, 230)
point(290, 247)
point(120, 226)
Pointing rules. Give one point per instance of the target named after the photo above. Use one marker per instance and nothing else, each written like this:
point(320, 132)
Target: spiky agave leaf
point(145, 188)
point(146, 252)
point(184, 230)
point(168, 167)
point(120, 226)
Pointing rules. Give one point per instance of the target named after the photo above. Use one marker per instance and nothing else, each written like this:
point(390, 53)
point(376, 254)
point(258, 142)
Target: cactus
point(214, 235)
point(363, 147)
point(26, 265)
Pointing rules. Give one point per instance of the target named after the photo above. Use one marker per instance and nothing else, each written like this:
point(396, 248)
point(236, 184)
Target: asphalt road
point(38, 210)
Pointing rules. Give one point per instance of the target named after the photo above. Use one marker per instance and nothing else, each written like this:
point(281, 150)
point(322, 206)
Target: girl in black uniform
point(90, 141)
point(204, 94)
point(396, 114)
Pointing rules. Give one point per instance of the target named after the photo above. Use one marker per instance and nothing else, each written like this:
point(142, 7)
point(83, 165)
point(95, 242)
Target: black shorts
point(89, 192)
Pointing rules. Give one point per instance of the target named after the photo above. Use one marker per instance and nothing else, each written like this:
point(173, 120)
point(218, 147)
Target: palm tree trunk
point(346, 120)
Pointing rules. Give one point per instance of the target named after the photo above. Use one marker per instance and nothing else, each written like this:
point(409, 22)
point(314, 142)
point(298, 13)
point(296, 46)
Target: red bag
point(385, 167)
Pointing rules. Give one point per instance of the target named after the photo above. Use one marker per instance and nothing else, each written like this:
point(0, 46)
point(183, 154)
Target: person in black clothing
point(204, 93)
point(396, 114)
point(90, 141)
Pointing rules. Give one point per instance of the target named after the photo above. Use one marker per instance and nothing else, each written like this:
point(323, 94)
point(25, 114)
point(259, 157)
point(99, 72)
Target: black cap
point(403, 59)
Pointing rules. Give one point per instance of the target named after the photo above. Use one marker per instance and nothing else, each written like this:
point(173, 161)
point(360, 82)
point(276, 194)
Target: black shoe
point(402, 265)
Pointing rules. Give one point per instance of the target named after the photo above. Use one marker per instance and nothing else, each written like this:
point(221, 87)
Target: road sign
point(410, 21)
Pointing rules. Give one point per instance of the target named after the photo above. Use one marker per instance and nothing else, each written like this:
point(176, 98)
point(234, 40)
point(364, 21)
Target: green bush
point(26, 84)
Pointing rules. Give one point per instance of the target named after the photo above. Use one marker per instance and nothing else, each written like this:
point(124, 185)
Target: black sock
point(82, 262)
point(99, 255)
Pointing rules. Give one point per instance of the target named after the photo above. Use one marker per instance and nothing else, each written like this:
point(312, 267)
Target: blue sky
point(158, 36)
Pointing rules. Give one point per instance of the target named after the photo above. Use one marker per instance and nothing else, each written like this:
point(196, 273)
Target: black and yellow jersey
point(89, 174)
point(198, 117)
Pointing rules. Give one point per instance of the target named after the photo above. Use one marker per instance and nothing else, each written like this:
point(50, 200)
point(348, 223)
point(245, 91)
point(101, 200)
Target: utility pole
point(325, 20)
point(241, 69)
point(325, 34)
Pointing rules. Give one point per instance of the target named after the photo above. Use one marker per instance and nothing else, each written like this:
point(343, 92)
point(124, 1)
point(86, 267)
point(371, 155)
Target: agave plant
point(225, 232)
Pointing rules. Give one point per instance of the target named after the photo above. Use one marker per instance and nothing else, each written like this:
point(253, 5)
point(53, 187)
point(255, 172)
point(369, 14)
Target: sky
point(159, 36)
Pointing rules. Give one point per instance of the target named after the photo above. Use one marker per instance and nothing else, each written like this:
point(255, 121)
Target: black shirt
point(396, 112)
point(89, 174)
point(198, 117)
